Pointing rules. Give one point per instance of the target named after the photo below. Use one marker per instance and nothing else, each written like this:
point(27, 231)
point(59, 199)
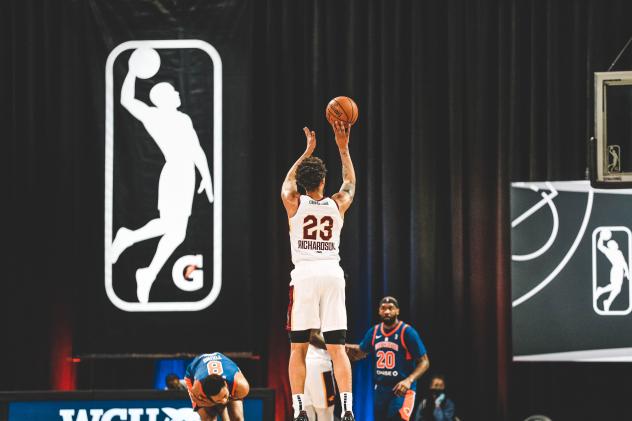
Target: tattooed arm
point(345, 196)
point(289, 191)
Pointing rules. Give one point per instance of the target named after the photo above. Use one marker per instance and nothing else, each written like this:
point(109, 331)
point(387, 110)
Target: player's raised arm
point(128, 93)
point(344, 197)
point(600, 243)
point(289, 190)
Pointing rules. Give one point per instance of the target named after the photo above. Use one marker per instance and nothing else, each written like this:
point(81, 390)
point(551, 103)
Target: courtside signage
point(118, 410)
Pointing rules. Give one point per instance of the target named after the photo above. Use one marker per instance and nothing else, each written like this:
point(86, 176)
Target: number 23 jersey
point(315, 231)
point(395, 352)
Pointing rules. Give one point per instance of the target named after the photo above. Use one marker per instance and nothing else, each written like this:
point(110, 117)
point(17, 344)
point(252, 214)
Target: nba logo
point(611, 257)
point(163, 175)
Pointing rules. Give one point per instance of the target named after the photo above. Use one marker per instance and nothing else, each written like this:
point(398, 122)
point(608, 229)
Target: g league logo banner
point(163, 208)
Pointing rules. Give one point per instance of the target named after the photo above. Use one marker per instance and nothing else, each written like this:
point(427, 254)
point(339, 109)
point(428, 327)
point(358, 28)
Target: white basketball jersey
point(315, 231)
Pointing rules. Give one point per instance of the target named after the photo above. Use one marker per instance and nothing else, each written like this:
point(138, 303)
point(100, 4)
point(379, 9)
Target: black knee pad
point(335, 337)
point(299, 336)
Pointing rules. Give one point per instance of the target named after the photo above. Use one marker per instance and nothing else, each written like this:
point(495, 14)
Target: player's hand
point(310, 136)
point(203, 402)
point(352, 353)
point(402, 387)
point(205, 185)
point(342, 131)
point(197, 396)
point(439, 400)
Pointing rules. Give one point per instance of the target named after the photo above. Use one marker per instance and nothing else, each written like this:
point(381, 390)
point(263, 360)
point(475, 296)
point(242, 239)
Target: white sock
point(298, 403)
point(346, 399)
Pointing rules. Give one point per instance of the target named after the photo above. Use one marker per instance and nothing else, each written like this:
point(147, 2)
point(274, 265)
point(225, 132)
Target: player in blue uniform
point(399, 359)
point(216, 386)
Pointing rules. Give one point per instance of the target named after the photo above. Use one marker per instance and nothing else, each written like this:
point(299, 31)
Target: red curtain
point(278, 356)
point(62, 370)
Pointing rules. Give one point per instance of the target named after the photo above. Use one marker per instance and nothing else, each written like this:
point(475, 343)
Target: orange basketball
point(342, 108)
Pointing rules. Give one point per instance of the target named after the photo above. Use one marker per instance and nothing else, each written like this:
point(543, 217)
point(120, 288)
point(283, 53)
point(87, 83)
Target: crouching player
point(216, 387)
point(399, 358)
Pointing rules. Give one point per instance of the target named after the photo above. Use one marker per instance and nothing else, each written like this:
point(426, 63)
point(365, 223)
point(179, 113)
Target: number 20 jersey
point(395, 352)
point(315, 231)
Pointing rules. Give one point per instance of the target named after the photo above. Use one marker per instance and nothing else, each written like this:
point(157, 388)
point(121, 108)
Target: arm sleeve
point(365, 345)
point(414, 344)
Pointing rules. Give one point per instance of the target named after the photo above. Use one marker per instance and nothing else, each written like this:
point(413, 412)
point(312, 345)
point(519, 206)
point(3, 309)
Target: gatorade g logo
point(163, 175)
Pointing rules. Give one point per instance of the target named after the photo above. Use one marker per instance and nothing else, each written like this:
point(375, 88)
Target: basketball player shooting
point(317, 288)
point(173, 132)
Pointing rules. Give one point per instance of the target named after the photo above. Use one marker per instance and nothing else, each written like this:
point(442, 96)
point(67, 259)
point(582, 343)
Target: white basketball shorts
point(317, 298)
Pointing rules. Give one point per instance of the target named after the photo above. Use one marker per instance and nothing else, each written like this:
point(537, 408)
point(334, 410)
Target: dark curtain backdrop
point(456, 99)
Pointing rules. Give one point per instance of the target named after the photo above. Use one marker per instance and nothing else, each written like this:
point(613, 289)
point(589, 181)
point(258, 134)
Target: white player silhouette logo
point(173, 132)
point(619, 269)
point(614, 160)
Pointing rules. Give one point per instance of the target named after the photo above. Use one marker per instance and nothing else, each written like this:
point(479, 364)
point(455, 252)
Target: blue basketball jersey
point(395, 352)
point(216, 363)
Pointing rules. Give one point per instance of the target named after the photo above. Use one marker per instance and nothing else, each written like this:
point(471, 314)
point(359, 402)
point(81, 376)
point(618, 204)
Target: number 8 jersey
point(315, 231)
point(206, 364)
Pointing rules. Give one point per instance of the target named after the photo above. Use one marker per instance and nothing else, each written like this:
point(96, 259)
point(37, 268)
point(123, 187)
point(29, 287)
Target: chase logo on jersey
point(388, 373)
point(163, 169)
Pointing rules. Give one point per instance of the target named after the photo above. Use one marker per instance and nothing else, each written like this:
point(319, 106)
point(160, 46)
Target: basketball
point(144, 62)
point(606, 234)
point(342, 108)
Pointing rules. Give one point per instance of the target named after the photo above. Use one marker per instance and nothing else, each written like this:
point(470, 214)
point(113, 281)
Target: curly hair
point(310, 172)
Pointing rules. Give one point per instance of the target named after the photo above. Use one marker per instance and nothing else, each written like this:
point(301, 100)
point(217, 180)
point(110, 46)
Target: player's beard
point(389, 321)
